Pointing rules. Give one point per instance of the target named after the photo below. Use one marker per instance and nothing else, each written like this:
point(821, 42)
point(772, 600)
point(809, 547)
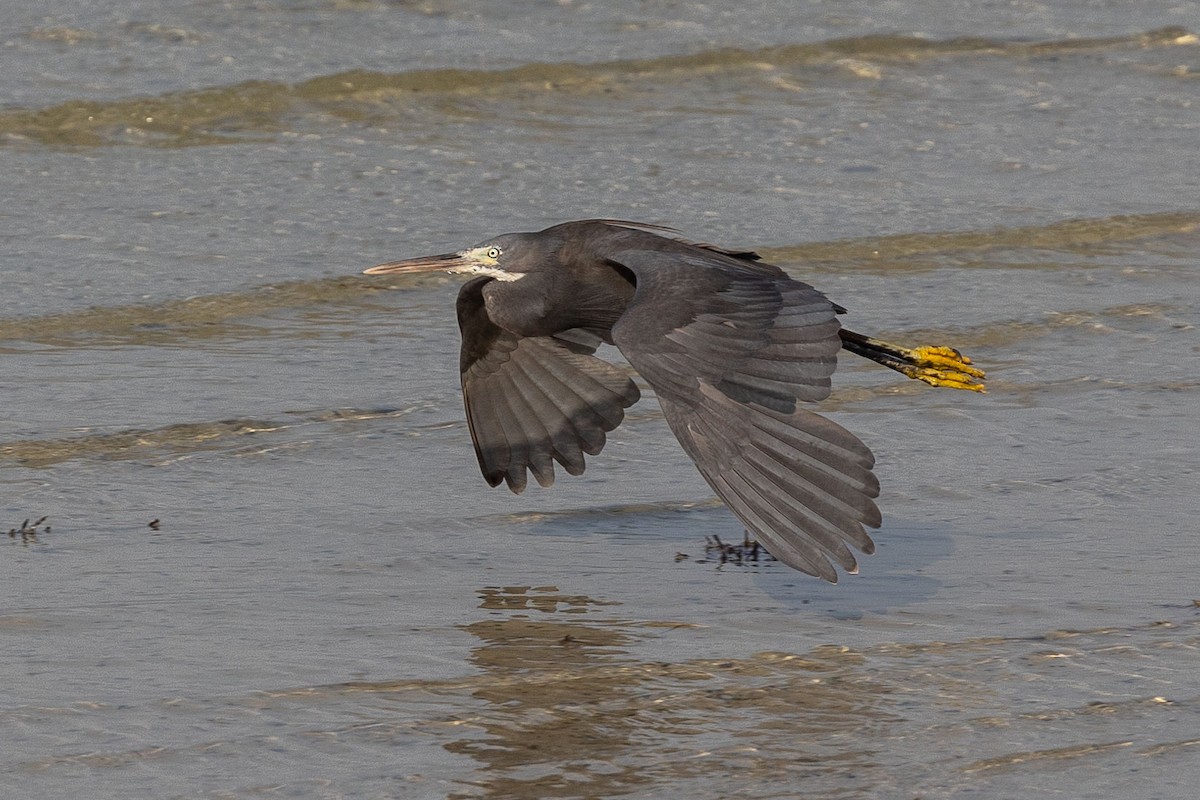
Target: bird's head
point(505, 258)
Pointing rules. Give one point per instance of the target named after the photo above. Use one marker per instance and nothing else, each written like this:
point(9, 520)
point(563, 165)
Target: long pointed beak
point(447, 262)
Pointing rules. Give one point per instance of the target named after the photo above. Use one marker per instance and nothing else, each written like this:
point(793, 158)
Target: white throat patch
point(491, 272)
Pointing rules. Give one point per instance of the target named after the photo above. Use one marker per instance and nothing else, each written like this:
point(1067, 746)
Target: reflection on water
point(563, 702)
point(569, 712)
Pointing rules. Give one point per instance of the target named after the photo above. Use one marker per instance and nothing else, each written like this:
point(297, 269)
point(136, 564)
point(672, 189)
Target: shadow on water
point(890, 579)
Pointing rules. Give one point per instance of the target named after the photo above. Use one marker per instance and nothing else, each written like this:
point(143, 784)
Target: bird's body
point(729, 344)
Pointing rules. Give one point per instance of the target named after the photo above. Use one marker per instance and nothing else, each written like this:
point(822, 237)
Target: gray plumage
point(729, 344)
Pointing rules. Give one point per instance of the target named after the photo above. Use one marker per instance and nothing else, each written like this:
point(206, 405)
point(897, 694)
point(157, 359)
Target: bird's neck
point(546, 302)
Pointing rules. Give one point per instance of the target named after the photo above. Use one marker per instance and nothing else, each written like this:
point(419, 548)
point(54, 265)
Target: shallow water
point(331, 603)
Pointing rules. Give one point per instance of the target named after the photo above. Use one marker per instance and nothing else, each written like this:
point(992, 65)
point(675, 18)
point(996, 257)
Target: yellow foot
point(934, 365)
point(942, 366)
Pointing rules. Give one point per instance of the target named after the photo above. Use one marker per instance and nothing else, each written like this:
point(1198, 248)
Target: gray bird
point(729, 343)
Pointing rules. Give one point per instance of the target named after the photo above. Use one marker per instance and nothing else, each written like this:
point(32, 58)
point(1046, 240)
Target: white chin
point(492, 272)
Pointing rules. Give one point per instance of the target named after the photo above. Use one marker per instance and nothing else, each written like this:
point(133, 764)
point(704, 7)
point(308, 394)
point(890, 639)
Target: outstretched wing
point(729, 352)
point(532, 401)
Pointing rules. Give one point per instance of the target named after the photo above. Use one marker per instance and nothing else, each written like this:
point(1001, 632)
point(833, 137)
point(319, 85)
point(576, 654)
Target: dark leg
point(935, 365)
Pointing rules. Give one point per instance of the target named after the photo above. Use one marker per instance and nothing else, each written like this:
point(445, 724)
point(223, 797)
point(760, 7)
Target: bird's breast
point(521, 307)
point(544, 304)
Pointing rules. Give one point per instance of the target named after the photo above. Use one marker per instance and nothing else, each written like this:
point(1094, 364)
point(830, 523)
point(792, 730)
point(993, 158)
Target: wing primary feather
point(587, 424)
point(529, 426)
point(515, 474)
point(810, 509)
point(798, 504)
point(487, 434)
point(561, 409)
point(569, 374)
point(818, 442)
point(806, 498)
point(739, 497)
point(849, 484)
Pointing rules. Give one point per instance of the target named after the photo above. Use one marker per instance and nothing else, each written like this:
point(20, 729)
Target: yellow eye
point(493, 252)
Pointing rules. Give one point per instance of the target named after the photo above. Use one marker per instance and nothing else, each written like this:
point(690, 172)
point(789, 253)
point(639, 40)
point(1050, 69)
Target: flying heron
point(729, 343)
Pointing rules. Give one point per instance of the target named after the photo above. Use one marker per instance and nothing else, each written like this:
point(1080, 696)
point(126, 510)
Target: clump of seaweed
point(744, 554)
point(29, 533)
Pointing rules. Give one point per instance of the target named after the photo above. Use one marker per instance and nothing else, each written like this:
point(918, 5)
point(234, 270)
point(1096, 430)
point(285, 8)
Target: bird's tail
point(932, 364)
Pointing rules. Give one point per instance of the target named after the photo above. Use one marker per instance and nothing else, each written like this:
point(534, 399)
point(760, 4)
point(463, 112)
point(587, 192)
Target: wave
point(217, 315)
point(249, 437)
point(912, 252)
point(168, 322)
point(257, 110)
point(171, 442)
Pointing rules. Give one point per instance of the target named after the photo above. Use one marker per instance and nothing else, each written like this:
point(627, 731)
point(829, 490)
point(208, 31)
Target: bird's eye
point(493, 252)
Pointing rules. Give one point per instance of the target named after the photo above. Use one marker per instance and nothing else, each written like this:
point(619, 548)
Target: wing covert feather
point(759, 337)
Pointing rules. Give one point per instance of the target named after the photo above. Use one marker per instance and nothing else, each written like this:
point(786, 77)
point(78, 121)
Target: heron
point(731, 346)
